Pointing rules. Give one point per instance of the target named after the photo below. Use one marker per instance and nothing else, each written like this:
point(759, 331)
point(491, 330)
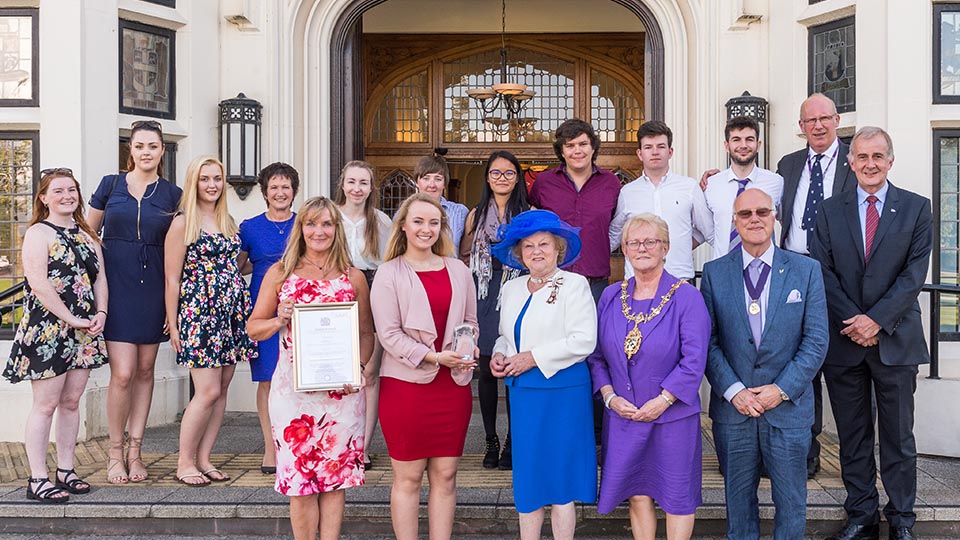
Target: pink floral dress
point(318, 435)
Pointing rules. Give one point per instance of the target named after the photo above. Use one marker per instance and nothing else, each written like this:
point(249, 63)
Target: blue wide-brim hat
point(528, 223)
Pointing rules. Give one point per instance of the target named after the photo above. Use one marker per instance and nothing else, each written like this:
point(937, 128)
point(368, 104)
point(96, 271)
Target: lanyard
point(755, 290)
point(829, 163)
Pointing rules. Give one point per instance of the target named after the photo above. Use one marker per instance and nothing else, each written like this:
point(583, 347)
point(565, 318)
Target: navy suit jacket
point(886, 288)
point(791, 167)
point(792, 346)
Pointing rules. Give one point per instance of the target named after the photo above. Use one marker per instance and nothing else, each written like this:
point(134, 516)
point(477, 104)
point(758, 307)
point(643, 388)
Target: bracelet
point(608, 399)
point(668, 400)
point(101, 311)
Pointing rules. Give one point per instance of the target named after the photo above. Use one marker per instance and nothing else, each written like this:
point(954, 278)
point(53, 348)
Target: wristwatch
point(783, 395)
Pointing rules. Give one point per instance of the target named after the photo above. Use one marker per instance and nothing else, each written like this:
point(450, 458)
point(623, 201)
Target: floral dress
point(318, 435)
point(214, 305)
point(45, 346)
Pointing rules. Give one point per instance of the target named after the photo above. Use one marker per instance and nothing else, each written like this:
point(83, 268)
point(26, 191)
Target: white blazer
point(558, 335)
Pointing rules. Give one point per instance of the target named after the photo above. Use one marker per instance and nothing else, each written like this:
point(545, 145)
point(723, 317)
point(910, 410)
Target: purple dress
point(660, 459)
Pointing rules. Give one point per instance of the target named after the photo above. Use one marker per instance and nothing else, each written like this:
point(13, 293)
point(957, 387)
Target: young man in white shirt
point(676, 199)
point(742, 142)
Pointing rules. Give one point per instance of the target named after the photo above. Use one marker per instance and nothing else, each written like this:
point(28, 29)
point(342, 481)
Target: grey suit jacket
point(792, 346)
point(791, 167)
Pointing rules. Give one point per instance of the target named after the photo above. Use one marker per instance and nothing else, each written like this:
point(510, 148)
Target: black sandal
point(75, 486)
point(45, 495)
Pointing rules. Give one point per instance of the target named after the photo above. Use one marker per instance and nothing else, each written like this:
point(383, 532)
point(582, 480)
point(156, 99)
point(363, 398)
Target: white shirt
point(766, 257)
point(796, 237)
point(356, 240)
point(722, 191)
point(679, 201)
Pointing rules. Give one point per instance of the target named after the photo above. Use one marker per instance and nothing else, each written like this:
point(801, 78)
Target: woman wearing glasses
point(135, 209)
point(653, 336)
point(59, 337)
point(504, 196)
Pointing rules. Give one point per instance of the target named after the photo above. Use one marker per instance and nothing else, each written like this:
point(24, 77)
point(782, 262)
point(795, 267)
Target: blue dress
point(551, 423)
point(264, 240)
point(133, 235)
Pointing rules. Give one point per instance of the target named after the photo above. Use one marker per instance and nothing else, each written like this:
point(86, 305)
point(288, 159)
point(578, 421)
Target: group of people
point(528, 272)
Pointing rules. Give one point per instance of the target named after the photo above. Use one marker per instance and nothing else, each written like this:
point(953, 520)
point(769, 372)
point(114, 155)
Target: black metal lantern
point(240, 120)
point(752, 107)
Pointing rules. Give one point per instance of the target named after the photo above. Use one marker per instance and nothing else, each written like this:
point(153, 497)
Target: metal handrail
point(935, 290)
point(12, 291)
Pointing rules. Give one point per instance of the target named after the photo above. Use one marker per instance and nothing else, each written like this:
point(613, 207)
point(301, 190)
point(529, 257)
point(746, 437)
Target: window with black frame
point(946, 53)
point(19, 58)
point(168, 3)
point(169, 171)
point(147, 70)
point(946, 231)
point(832, 58)
point(19, 154)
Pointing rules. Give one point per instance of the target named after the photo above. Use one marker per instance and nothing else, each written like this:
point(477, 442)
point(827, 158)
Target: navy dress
point(133, 235)
point(264, 241)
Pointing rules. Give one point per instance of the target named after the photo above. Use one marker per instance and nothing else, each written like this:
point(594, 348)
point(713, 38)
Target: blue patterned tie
point(814, 198)
point(734, 235)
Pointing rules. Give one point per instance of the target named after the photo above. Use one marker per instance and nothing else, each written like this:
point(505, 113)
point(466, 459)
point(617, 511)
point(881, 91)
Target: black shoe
point(268, 470)
point(491, 457)
point(902, 533)
point(45, 495)
point(506, 457)
point(68, 480)
point(813, 467)
point(855, 531)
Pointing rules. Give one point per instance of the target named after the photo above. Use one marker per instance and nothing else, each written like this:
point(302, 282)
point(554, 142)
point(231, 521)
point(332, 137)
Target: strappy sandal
point(183, 479)
point(221, 476)
point(45, 495)
point(116, 463)
point(138, 473)
point(75, 485)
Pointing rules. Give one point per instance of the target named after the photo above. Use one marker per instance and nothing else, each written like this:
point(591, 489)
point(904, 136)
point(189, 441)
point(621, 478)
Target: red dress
point(427, 420)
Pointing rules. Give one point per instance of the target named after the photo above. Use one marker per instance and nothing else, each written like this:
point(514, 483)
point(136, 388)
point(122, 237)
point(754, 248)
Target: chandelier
point(508, 99)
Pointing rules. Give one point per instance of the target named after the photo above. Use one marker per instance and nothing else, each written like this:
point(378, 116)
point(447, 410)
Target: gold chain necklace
point(631, 344)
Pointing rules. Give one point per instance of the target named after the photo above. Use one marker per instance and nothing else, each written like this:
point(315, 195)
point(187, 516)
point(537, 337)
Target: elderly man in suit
point(874, 247)
point(810, 176)
point(769, 337)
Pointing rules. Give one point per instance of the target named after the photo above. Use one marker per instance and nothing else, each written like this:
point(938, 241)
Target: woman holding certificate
point(424, 298)
point(319, 434)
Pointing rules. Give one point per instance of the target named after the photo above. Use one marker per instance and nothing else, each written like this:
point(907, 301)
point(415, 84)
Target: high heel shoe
point(138, 472)
point(116, 470)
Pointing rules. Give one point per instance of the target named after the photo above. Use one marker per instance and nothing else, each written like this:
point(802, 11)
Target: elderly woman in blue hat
point(548, 326)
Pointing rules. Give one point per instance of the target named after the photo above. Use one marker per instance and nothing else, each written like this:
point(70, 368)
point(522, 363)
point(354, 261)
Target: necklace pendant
point(754, 308)
point(632, 342)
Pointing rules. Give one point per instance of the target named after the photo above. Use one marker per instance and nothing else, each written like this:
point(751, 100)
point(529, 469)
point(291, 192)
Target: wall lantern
point(240, 119)
point(752, 107)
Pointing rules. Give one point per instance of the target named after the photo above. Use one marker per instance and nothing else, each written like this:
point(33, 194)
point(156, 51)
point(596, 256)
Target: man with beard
point(742, 142)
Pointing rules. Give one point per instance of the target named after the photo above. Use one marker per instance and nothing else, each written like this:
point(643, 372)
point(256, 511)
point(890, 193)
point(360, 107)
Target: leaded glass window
point(551, 78)
point(946, 265)
point(616, 112)
point(394, 189)
point(403, 113)
point(19, 58)
point(18, 156)
point(147, 70)
point(625, 176)
point(832, 58)
point(946, 51)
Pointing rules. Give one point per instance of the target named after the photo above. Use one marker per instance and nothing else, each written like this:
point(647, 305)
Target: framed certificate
point(326, 346)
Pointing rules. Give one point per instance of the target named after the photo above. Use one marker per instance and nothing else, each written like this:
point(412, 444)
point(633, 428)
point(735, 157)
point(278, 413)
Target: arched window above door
point(403, 114)
point(394, 189)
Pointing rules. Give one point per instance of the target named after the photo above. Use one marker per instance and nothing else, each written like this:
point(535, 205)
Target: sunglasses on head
point(147, 124)
point(57, 170)
point(760, 212)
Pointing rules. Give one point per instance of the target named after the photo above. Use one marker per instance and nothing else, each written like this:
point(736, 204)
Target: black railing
point(935, 290)
point(9, 303)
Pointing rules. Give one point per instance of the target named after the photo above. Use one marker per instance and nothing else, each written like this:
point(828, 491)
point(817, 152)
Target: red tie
point(873, 219)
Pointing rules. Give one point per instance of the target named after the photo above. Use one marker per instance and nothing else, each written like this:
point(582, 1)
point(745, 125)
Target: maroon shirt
point(591, 209)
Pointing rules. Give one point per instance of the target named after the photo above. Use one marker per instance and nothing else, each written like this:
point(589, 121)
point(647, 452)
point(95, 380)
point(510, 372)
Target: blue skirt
point(554, 457)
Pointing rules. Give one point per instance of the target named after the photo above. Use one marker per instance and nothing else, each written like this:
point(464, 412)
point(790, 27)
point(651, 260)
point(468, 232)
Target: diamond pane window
point(395, 189)
point(551, 78)
point(615, 111)
point(403, 113)
point(18, 154)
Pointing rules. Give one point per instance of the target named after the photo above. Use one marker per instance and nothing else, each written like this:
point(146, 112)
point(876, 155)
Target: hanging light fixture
point(510, 96)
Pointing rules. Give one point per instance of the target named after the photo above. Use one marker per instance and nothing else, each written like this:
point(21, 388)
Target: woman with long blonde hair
point(59, 336)
point(207, 307)
point(314, 427)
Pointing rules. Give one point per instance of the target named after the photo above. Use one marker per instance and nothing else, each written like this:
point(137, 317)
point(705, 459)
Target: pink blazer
point(405, 325)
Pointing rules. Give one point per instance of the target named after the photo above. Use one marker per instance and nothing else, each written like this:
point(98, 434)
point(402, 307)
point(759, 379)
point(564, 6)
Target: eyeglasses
point(496, 174)
point(648, 244)
point(58, 171)
point(824, 121)
point(760, 212)
point(147, 124)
